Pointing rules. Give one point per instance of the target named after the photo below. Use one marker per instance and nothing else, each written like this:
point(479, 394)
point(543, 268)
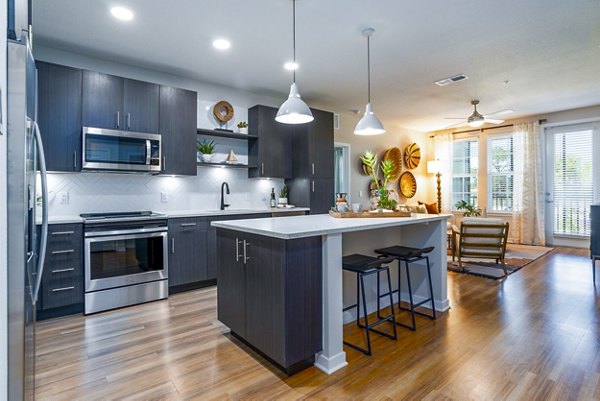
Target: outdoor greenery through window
point(500, 178)
point(464, 171)
point(573, 182)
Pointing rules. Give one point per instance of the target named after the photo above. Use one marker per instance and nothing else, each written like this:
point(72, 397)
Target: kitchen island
point(281, 287)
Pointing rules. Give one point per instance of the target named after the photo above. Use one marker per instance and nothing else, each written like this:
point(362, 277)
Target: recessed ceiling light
point(290, 65)
point(122, 13)
point(222, 44)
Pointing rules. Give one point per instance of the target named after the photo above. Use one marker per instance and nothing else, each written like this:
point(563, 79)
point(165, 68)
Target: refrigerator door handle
point(44, 228)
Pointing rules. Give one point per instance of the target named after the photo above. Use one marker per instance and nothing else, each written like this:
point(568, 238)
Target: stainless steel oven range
point(126, 259)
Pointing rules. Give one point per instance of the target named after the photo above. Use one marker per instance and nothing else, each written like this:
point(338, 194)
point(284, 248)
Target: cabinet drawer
point(62, 234)
point(62, 292)
point(187, 224)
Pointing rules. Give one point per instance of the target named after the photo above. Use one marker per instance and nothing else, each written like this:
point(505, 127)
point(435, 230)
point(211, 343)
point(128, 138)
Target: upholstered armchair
point(481, 238)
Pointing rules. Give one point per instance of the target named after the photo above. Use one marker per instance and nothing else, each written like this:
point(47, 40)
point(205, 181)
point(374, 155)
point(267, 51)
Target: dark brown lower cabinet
point(270, 295)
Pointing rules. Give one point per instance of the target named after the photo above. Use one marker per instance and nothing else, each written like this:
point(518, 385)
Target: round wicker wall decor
point(412, 156)
point(223, 111)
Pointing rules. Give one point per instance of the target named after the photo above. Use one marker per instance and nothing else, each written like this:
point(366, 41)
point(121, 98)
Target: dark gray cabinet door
point(187, 254)
point(140, 106)
point(321, 195)
point(59, 115)
point(320, 144)
point(231, 290)
point(177, 125)
point(103, 101)
point(273, 149)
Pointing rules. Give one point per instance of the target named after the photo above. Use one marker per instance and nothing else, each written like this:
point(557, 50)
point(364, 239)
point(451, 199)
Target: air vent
point(336, 121)
point(451, 80)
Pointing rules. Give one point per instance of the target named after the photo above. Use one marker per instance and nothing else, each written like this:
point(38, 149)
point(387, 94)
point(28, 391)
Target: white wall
point(96, 192)
point(3, 190)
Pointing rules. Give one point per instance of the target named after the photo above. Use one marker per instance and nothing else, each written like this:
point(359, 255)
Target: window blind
point(573, 182)
point(500, 163)
point(464, 171)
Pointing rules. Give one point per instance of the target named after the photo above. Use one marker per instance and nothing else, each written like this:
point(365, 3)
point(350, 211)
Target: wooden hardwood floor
point(535, 336)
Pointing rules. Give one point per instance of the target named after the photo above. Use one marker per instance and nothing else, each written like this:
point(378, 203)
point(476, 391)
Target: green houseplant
point(207, 149)
point(469, 209)
point(283, 195)
point(381, 192)
point(242, 127)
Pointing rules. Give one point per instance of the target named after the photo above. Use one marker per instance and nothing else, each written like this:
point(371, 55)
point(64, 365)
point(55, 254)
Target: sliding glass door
point(572, 182)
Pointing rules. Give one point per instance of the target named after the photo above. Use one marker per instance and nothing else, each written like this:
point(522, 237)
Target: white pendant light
point(294, 110)
point(369, 124)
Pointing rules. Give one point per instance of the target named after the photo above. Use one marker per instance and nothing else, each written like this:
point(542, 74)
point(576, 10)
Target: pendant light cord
point(368, 68)
point(294, 36)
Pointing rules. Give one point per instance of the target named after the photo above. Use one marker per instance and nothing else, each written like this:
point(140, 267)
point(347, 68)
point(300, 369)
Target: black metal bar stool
point(364, 266)
point(410, 255)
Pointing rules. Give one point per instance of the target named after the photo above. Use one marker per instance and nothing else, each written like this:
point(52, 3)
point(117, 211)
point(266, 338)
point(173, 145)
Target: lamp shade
point(294, 110)
point(434, 166)
point(369, 124)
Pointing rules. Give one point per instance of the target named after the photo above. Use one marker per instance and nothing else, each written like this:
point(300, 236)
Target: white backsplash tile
point(106, 192)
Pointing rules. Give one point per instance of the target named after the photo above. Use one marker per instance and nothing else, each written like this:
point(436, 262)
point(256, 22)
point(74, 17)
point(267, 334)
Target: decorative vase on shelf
point(283, 201)
point(243, 130)
point(206, 158)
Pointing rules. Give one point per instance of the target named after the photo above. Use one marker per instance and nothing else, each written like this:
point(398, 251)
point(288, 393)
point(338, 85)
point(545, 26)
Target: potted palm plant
point(283, 195)
point(206, 149)
point(381, 191)
point(469, 209)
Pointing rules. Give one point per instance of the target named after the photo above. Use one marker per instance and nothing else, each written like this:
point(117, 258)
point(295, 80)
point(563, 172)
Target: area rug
point(517, 257)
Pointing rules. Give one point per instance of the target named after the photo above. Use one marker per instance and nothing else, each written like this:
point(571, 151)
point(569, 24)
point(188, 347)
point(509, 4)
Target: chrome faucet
point(223, 204)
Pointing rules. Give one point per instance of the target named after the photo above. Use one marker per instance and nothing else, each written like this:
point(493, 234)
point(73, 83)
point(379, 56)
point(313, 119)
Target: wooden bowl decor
point(412, 156)
point(364, 169)
point(223, 111)
point(395, 155)
point(408, 184)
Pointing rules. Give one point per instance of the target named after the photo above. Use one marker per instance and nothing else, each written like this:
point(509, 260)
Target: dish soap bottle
point(273, 201)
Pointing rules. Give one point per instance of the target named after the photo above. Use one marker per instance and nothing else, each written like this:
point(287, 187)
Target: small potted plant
point(207, 149)
point(380, 190)
point(283, 195)
point(469, 209)
point(242, 127)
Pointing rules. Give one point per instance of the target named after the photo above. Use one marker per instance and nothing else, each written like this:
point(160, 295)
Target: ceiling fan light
point(294, 110)
point(476, 123)
point(369, 124)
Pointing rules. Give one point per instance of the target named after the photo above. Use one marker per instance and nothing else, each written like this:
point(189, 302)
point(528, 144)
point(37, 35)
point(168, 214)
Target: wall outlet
point(164, 197)
point(63, 198)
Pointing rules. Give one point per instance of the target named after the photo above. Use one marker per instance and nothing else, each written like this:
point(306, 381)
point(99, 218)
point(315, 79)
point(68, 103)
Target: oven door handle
point(148, 151)
point(90, 234)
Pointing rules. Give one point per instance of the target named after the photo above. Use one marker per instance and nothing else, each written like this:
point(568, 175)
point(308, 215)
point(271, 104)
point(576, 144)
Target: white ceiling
point(547, 50)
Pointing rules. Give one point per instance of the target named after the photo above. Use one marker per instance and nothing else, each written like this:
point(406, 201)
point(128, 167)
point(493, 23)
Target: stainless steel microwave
point(107, 149)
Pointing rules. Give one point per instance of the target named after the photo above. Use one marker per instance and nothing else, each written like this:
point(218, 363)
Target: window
point(464, 171)
point(500, 173)
point(573, 182)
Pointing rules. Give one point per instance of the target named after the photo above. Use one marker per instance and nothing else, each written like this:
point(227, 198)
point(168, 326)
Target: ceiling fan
point(477, 120)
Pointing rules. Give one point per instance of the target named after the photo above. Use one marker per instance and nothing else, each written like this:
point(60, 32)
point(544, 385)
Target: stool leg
point(389, 278)
point(410, 297)
point(378, 297)
point(594, 269)
point(430, 287)
point(358, 300)
point(367, 329)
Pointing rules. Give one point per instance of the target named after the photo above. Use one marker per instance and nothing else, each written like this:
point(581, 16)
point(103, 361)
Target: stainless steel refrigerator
point(26, 248)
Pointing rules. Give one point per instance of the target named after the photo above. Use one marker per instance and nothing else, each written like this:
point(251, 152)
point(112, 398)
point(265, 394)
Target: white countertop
point(320, 224)
point(191, 213)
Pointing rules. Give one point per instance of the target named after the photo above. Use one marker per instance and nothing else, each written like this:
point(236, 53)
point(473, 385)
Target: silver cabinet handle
point(118, 119)
point(63, 270)
point(128, 120)
point(262, 168)
point(63, 233)
point(246, 258)
point(313, 186)
point(172, 245)
point(237, 250)
point(164, 166)
point(313, 169)
point(188, 224)
point(63, 252)
point(63, 289)
point(74, 159)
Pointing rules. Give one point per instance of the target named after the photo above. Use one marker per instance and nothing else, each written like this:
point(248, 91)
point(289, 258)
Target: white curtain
point(528, 190)
point(443, 153)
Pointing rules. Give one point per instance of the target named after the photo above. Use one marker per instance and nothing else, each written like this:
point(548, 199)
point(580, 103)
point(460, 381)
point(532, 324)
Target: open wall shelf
point(225, 134)
point(225, 165)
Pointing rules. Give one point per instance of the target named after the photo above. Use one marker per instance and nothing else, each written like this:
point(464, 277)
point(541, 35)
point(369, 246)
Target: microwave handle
point(148, 151)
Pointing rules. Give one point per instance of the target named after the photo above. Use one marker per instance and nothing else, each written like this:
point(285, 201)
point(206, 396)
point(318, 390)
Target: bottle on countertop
point(273, 200)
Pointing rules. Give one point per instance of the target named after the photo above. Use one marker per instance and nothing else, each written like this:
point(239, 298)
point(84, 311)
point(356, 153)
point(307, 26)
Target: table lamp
point(435, 167)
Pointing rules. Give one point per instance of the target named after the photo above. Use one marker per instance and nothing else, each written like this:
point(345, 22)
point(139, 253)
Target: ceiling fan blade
point(456, 125)
point(454, 118)
point(493, 121)
point(499, 113)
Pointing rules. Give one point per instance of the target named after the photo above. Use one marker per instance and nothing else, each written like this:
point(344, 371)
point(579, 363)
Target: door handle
point(63, 252)
point(75, 159)
point(313, 169)
point(172, 245)
point(63, 270)
point(63, 289)
point(246, 258)
point(262, 168)
point(118, 119)
point(128, 120)
point(237, 249)
point(63, 233)
point(313, 186)
point(188, 224)
point(164, 163)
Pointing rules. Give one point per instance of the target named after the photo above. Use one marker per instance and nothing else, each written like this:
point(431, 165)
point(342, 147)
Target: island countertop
point(320, 224)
